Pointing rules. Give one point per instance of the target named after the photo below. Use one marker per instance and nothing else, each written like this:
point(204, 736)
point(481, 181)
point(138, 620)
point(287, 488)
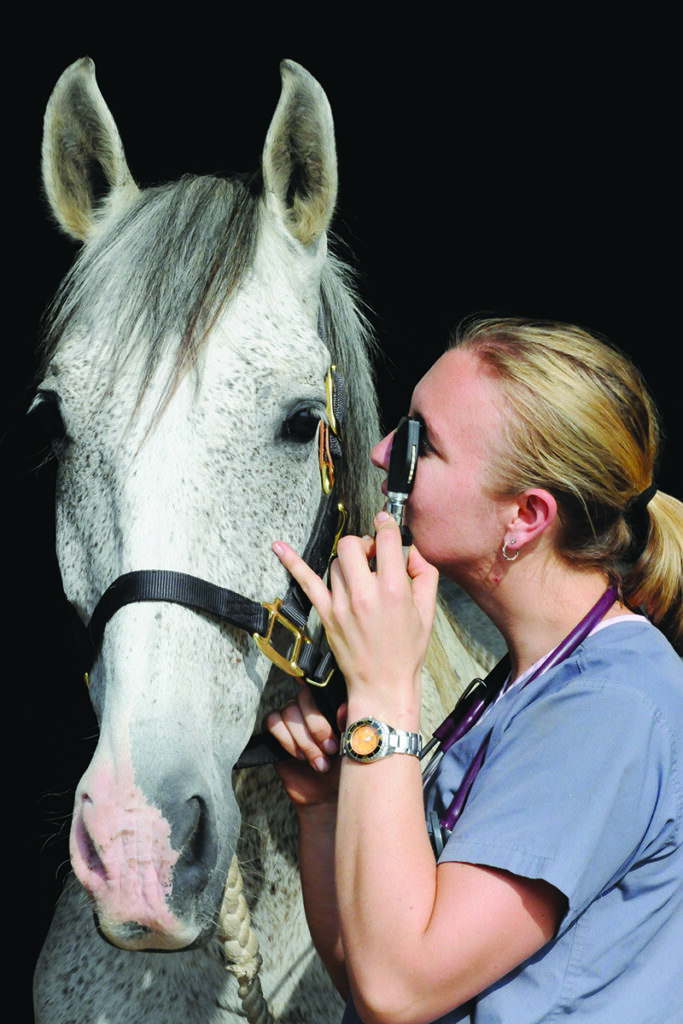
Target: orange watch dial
point(364, 740)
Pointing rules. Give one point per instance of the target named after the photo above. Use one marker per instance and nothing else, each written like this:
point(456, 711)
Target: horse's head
point(185, 381)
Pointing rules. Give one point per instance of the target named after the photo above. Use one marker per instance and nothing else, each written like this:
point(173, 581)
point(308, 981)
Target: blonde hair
point(582, 424)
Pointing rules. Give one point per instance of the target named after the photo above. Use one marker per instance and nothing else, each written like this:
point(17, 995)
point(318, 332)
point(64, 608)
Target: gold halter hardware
point(341, 526)
point(329, 391)
point(324, 453)
point(325, 458)
point(290, 662)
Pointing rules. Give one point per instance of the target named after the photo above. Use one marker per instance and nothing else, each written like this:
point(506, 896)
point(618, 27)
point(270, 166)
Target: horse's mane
point(351, 343)
point(162, 272)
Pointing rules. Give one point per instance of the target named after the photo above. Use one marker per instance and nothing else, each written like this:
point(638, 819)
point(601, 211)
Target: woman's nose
point(381, 452)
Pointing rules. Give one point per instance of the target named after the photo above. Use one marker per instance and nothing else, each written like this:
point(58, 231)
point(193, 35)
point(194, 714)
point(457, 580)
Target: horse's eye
point(301, 425)
point(45, 416)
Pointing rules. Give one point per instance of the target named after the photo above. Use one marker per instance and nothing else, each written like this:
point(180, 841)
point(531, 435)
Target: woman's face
point(458, 524)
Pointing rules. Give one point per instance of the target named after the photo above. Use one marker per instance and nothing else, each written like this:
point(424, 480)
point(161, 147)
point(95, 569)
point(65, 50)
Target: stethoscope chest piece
point(437, 833)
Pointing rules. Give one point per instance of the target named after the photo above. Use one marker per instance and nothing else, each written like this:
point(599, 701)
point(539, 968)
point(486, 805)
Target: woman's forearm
point(317, 827)
point(385, 876)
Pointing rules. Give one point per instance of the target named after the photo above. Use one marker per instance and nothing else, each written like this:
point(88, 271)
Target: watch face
point(365, 740)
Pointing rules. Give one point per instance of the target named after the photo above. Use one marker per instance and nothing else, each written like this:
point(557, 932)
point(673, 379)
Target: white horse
point(184, 382)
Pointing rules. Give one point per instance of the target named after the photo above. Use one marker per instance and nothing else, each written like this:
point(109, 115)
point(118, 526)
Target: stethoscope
point(472, 705)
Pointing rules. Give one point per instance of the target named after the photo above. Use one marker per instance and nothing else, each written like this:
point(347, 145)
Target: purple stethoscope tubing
point(450, 730)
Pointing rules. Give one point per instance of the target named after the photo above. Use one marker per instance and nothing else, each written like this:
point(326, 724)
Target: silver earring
point(510, 558)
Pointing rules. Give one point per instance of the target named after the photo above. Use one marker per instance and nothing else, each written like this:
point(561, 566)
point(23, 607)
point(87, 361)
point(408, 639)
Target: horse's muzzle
point(149, 871)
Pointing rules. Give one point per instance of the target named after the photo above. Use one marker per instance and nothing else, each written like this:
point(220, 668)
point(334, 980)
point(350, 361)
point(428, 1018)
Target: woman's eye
point(302, 425)
point(424, 447)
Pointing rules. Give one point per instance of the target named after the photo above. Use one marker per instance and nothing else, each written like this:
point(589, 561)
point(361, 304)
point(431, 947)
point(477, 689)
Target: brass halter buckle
point(288, 663)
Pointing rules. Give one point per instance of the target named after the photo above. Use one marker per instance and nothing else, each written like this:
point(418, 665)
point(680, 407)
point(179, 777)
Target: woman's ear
point(535, 510)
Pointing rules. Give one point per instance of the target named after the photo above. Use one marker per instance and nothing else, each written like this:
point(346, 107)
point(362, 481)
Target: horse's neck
point(453, 660)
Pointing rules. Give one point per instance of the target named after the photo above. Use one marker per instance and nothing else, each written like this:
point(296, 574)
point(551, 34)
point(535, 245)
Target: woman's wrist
point(397, 703)
point(318, 816)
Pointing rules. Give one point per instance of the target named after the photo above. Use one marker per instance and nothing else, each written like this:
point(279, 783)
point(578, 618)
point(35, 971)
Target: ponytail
point(654, 583)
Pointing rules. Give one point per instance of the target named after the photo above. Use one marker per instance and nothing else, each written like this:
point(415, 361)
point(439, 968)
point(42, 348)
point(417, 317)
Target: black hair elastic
point(638, 520)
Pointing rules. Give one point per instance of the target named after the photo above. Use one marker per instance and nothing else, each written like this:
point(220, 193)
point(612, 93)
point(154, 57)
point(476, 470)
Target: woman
point(560, 888)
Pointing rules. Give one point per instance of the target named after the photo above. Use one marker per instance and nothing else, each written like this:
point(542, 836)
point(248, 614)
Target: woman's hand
point(311, 778)
point(377, 622)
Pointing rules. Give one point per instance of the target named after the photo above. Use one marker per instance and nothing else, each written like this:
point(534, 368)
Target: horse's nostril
point(193, 843)
point(197, 847)
point(88, 850)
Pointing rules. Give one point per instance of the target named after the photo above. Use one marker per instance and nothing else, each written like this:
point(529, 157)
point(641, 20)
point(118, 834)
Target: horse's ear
point(84, 166)
point(299, 156)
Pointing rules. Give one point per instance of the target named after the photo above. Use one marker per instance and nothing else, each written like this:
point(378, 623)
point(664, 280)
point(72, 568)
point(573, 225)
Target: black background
point(484, 165)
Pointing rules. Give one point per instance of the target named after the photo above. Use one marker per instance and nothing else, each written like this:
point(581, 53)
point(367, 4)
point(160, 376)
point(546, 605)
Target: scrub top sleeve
point(573, 790)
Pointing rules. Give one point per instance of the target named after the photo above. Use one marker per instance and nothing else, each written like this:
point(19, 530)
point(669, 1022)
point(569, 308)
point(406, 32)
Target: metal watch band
point(370, 739)
point(404, 742)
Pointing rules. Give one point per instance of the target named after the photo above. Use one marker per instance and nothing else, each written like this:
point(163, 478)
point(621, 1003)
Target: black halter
point(279, 628)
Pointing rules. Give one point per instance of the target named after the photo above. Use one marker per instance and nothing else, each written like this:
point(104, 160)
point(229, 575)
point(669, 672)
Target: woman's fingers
point(390, 564)
point(303, 730)
point(306, 734)
point(425, 583)
point(311, 584)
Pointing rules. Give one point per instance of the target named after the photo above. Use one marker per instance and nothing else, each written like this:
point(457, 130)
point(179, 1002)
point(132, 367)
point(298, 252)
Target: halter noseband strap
point(178, 588)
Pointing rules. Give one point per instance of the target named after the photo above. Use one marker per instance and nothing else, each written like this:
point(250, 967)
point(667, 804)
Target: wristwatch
point(368, 740)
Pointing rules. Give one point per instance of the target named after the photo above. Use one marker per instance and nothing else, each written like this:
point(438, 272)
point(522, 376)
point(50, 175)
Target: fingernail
point(330, 746)
point(321, 764)
point(278, 547)
point(382, 517)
